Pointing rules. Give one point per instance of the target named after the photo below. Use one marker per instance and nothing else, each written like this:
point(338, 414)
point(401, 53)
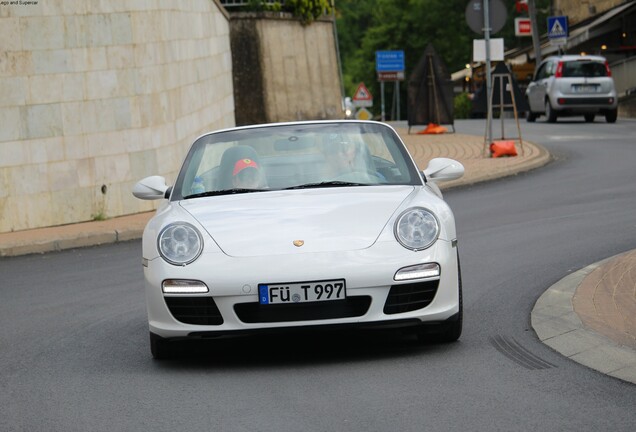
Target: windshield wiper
point(223, 192)
point(326, 184)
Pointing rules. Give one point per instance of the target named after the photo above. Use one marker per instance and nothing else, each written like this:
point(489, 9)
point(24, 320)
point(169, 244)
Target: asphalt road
point(73, 334)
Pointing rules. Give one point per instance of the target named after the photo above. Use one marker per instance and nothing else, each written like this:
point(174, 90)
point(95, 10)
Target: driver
point(246, 174)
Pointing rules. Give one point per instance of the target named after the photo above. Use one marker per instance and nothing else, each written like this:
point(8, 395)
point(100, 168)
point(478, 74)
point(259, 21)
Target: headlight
point(180, 243)
point(417, 229)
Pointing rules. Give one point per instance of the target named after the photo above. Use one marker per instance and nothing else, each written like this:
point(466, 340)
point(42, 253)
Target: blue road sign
point(389, 61)
point(557, 27)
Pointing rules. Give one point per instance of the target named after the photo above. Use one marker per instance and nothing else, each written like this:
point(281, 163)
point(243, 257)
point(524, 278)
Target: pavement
point(589, 316)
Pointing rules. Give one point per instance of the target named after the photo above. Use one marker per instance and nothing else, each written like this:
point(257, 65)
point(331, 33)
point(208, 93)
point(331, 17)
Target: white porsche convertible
point(299, 225)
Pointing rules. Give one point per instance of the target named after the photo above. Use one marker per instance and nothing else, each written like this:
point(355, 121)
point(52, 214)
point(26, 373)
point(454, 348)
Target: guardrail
point(624, 74)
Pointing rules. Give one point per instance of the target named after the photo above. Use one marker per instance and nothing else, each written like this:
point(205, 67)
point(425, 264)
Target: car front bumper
point(374, 298)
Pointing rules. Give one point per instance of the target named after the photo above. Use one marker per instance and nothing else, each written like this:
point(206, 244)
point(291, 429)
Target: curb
point(535, 162)
point(558, 326)
point(84, 234)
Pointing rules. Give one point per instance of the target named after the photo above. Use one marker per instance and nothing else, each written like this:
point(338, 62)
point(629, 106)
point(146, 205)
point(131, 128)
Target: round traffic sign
point(475, 15)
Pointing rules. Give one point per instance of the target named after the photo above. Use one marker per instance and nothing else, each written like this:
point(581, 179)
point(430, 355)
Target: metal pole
point(397, 84)
point(502, 103)
point(382, 91)
point(536, 43)
point(488, 77)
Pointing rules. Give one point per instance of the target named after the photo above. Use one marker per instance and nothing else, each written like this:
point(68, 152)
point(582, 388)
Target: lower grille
point(410, 297)
point(258, 313)
point(194, 310)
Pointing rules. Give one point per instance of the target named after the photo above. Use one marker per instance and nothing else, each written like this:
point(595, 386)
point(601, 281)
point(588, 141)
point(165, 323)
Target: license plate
point(585, 88)
point(302, 292)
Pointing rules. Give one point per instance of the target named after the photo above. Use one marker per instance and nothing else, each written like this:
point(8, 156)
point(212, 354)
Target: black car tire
point(611, 115)
point(530, 116)
point(589, 118)
point(550, 114)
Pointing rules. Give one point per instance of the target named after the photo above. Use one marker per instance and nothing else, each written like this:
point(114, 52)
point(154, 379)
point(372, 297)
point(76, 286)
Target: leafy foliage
point(306, 10)
point(462, 106)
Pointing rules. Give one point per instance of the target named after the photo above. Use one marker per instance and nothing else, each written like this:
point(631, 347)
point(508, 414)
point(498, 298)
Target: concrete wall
point(627, 106)
point(284, 71)
point(95, 95)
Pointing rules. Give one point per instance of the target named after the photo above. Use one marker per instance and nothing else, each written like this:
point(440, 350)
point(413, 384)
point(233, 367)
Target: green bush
point(306, 10)
point(463, 106)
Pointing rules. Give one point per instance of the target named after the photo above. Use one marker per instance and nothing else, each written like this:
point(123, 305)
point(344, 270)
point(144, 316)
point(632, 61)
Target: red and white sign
point(362, 97)
point(390, 76)
point(523, 27)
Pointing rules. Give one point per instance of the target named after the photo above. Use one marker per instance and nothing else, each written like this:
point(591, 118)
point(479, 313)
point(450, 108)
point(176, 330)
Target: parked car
point(330, 224)
point(572, 85)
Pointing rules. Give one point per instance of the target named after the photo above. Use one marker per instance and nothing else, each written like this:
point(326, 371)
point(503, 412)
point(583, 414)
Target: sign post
point(362, 97)
point(390, 67)
point(558, 30)
point(486, 20)
point(523, 27)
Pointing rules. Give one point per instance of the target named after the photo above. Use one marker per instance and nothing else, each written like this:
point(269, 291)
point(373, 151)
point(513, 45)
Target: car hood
point(269, 223)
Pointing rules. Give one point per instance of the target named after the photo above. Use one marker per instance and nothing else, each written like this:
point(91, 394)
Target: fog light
point(420, 271)
point(182, 286)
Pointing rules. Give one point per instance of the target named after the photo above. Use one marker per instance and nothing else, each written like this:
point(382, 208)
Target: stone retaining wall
point(580, 10)
point(283, 70)
point(96, 95)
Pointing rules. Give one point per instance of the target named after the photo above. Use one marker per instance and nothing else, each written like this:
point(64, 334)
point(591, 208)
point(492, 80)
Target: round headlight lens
point(180, 243)
point(417, 229)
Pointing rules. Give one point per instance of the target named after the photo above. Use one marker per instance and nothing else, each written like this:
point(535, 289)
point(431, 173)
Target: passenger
point(341, 156)
point(349, 161)
point(247, 175)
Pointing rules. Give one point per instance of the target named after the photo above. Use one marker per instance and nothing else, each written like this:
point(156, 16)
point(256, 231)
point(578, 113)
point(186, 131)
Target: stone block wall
point(283, 70)
point(95, 95)
point(580, 10)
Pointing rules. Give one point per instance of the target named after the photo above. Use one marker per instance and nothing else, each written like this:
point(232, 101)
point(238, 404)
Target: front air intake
point(194, 310)
point(409, 297)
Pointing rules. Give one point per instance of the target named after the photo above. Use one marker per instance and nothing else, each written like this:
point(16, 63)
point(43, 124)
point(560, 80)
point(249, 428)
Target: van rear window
point(587, 69)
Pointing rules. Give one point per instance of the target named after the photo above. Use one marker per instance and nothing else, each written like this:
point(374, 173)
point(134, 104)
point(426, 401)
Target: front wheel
point(530, 116)
point(448, 331)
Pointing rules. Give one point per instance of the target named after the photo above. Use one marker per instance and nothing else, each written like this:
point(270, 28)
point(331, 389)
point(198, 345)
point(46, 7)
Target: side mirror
point(441, 169)
point(151, 188)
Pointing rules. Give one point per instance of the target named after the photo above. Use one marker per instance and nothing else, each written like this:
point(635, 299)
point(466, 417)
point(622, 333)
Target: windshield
point(295, 156)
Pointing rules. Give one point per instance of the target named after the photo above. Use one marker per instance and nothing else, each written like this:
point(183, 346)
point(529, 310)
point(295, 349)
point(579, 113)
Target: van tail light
point(607, 68)
point(559, 70)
